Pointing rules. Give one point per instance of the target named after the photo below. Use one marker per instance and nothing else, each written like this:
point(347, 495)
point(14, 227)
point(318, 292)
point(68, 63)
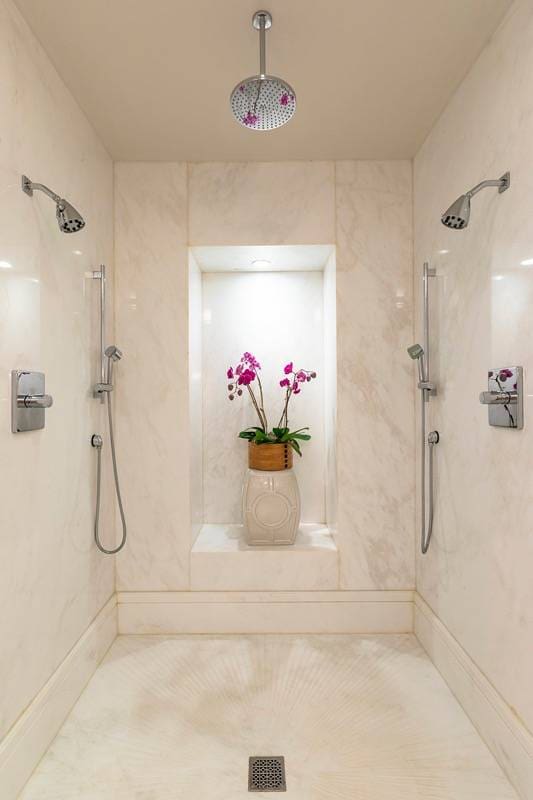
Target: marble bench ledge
point(222, 561)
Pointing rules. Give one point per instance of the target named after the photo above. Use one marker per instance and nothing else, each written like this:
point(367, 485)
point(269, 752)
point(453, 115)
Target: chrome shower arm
point(29, 187)
point(262, 47)
point(503, 183)
point(262, 21)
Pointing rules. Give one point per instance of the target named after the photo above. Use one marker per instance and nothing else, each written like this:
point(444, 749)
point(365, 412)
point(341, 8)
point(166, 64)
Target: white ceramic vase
point(271, 507)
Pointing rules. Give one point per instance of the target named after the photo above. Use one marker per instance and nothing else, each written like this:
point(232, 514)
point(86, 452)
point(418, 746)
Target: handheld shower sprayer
point(427, 389)
point(113, 352)
point(68, 218)
point(416, 351)
point(457, 216)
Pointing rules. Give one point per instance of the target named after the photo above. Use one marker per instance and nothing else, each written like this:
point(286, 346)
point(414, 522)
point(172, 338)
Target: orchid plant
point(244, 377)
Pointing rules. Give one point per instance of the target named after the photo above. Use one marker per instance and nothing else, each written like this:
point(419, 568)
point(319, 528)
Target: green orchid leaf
point(279, 432)
point(296, 446)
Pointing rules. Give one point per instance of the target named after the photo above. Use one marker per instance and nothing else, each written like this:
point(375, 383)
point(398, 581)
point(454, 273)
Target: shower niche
point(278, 303)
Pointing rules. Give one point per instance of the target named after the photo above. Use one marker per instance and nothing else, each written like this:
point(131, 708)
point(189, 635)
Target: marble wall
point(362, 207)
point(196, 397)
point(477, 574)
point(330, 390)
point(375, 395)
point(151, 315)
point(53, 581)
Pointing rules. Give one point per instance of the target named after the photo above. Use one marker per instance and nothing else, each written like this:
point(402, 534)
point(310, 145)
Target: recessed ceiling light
point(5, 265)
point(77, 252)
point(261, 263)
point(527, 262)
point(443, 252)
point(497, 277)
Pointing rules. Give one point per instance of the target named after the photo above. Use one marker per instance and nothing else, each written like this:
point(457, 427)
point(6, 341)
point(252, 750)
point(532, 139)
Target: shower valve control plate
point(28, 401)
point(505, 397)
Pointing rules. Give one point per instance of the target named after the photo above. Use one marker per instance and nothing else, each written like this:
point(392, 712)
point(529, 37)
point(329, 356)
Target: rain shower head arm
point(262, 21)
point(29, 187)
point(262, 48)
point(503, 183)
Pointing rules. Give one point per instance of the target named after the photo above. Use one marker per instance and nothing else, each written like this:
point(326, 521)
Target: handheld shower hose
point(112, 354)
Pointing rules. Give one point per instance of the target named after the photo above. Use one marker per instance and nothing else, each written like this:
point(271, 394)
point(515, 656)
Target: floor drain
point(266, 774)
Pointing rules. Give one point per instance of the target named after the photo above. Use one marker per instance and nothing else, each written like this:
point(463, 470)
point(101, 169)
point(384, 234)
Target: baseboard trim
point(503, 732)
point(265, 612)
point(29, 738)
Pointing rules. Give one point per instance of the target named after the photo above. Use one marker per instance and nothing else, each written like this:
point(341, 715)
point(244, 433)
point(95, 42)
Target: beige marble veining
point(477, 575)
point(375, 421)
point(53, 581)
point(287, 202)
point(356, 717)
point(196, 426)
point(330, 390)
point(221, 560)
point(153, 395)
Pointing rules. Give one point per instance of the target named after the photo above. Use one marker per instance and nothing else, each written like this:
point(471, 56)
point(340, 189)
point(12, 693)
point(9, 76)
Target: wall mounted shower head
point(263, 102)
point(457, 216)
point(68, 219)
point(113, 352)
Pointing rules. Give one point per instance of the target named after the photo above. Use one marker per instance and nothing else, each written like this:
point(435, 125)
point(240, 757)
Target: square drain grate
point(266, 774)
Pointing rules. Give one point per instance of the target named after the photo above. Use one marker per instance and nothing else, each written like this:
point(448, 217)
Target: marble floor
point(356, 717)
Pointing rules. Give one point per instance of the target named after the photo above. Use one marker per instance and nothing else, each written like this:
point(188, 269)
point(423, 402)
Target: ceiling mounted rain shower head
point(457, 216)
point(263, 102)
point(68, 219)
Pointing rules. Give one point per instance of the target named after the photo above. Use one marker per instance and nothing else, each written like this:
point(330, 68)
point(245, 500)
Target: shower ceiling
point(154, 77)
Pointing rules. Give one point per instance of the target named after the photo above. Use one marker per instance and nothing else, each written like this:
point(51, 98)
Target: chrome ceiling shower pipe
point(428, 389)
point(457, 216)
point(68, 218)
point(263, 102)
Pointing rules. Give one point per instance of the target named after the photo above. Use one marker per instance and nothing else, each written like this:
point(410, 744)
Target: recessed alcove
point(277, 302)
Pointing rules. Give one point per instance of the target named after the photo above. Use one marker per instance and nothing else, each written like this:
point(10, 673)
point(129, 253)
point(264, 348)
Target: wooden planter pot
point(269, 457)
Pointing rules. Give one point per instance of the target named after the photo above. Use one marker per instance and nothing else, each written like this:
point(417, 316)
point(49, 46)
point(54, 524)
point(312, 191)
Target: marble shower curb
point(29, 738)
point(504, 734)
point(265, 612)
